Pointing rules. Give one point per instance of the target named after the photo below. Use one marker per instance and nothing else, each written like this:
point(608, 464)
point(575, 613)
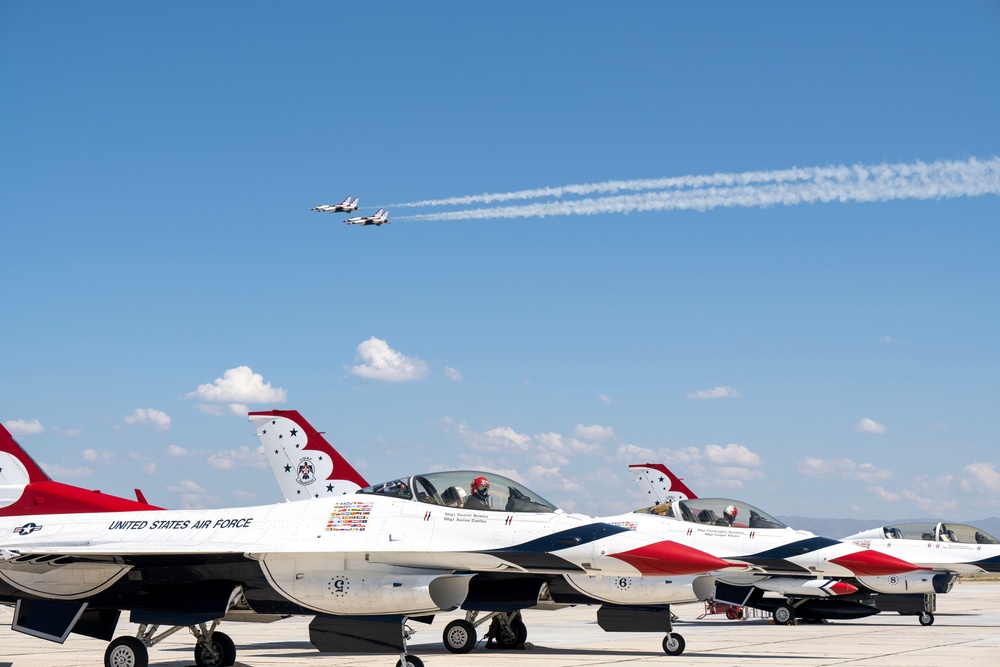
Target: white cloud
point(192, 495)
point(228, 459)
point(721, 467)
point(844, 468)
point(19, 427)
point(56, 471)
point(68, 432)
point(381, 362)
point(231, 393)
point(177, 450)
point(452, 374)
point(635, 454)
point(604, 399)
point(594, 433)
point(981, 478)
point(94, 455)
point(869, 426)
point(883, 494)
point(731, 454)
point(716, 392)
point(158, 418)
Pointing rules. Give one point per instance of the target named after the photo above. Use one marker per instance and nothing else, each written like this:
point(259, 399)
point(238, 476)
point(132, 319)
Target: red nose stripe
point(671, 558)
point(843, 588)
point(873, 563)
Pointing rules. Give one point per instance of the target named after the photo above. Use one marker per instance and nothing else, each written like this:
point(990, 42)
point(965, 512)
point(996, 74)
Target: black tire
point(126, 652)
point(220, 652)
point(459, 636)
point(411, 661)
point(784, 614)
point(511, 636)
point(673, 644)
point(926, 618)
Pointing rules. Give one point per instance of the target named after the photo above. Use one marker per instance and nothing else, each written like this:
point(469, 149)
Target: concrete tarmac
point(966, 632)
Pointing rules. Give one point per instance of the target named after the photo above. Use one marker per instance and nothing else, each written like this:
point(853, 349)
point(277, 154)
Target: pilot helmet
point(480, 487)
point(731, 512)
point(453, 496)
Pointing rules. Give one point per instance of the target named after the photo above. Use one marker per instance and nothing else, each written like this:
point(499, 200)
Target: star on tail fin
point(658, 484)
point(304, 463)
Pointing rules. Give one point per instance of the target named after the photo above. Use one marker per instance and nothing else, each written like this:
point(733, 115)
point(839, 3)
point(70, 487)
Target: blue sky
point(835, 358)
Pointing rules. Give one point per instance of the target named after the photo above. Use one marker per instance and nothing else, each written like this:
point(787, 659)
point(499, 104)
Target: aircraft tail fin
point(26, 489)
point(659, 484)
point(304, 463)
point(25, 470)
point(355, 202)
point(346, 202)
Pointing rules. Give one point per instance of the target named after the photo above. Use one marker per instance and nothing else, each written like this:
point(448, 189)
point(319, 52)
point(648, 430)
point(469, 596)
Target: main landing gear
point(212, 649)
point(507, 631)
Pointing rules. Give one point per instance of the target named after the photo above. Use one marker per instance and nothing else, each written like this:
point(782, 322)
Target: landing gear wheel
point(459, 636)
point(126, 652)
point(220, 652)
point(784, 614)
point(673, 644)
point(509, 636)
point(926, 618)
point(734, 613)
point(411, 661)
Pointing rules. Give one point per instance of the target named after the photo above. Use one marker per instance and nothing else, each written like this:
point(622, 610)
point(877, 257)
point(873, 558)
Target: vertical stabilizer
point(658, 484)
point(304, 463)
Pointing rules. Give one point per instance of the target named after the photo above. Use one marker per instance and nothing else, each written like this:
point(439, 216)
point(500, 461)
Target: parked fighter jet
point(26, 489)
point(308, 467)
point(363, 562)
point(380, 218)
point(789, 561)
point(345, 206)
point(774, 553)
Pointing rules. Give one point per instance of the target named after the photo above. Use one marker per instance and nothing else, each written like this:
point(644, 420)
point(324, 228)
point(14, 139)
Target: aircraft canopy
point(712, 512)
point(453, 488)
point(939, 532)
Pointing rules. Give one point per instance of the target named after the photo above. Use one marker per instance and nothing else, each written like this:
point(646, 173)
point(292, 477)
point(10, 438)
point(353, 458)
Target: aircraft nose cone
point(870, 563)
point(671, 558)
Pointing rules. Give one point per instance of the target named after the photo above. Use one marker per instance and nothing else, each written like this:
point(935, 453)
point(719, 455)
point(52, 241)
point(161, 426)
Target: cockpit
point(939, 532)
point(467, 489)
point(715, 512)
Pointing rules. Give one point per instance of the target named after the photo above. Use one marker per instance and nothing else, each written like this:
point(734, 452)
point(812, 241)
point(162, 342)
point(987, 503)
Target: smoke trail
point(857, 183)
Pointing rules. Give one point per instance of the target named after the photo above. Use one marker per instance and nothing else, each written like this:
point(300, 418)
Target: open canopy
point(939, 532)
point(716, 512)
point(457, 488)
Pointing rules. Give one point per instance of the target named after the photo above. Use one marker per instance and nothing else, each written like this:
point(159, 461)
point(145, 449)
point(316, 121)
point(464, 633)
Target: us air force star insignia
point(27, 529)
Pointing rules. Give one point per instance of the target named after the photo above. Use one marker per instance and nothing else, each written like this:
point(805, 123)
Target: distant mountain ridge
point(838, 528)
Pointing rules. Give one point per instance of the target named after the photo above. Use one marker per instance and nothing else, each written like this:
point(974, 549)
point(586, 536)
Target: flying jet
point(26, 489)
point(791, 562)
point(782, 553)
point(362, 563)
point(345, 206)
point(380, 218)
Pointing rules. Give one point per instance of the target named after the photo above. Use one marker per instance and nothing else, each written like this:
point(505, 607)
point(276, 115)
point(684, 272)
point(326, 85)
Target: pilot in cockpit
point(479, 495)
point(728, 516)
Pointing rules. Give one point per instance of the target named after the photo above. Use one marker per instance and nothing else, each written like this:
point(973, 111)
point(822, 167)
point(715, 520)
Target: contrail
point(857, 183)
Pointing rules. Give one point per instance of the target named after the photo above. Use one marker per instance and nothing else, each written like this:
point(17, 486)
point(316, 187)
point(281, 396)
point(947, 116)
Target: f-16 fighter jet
point(345, 206)
point(380, 218)
point(800, 566)
point(362, 563)
point(629, 603)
